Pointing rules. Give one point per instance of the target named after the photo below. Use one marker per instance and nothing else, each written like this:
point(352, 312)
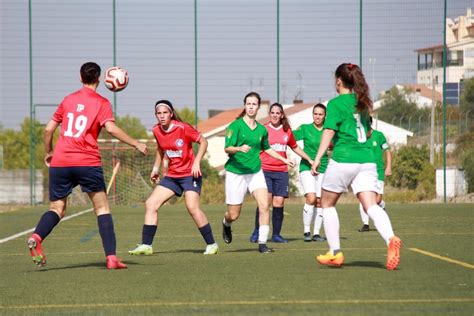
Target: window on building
point(455, 58)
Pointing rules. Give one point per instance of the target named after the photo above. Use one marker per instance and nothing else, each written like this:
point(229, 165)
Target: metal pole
point(114, 50)
point(32, 137)
point(419, 123)
point(195, 66)
point(360, 34)
point(433, 106)
point(401, 118)
point(444, 98)
point(278, 51)
point(409, 122)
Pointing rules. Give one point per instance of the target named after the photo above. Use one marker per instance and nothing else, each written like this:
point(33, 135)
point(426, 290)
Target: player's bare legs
point(261, 197)
point(158, 197)
point(192, 200)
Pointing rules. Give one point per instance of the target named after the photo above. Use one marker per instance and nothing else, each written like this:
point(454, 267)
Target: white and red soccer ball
point(116, 79)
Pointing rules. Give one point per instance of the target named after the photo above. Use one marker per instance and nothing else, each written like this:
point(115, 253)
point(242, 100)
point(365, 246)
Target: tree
point(187, 115)
point(16, 146)
point(130, 125)
point(467, 97)
point(397, 104)
point(411, 167)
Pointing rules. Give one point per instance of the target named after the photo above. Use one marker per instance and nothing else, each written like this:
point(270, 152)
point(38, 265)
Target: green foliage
point(397, 104)
point(467, 97)
point(16, 146)
point(130, 125)
point(468, 166)
point(187, 115)
point(412, 169)
point(465, 150)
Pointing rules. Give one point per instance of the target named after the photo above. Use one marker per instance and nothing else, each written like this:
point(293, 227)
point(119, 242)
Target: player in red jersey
point(174, 140)
point(76, 160)
point(276, 172)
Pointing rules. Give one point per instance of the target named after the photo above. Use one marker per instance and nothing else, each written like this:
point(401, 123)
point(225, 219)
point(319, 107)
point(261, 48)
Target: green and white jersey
point(351, 127)
point(239, 133)
point(311, 138)
point(379, 146)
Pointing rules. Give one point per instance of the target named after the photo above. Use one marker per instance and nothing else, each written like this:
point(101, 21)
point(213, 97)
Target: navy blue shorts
point(180, 185)
point(277, 182)
point(63, 179)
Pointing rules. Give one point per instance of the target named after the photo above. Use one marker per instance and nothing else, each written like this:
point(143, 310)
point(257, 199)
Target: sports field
point(435, 276)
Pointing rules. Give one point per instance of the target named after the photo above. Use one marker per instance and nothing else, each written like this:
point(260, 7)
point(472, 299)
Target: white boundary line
point(4, 240)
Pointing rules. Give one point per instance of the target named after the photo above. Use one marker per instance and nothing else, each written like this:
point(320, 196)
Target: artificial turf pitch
point(435, 276)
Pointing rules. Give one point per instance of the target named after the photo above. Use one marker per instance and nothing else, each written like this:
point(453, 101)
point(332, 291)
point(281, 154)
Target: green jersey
point(311, 137)
point(351, 127)
point(239, 133)
point(379, 145)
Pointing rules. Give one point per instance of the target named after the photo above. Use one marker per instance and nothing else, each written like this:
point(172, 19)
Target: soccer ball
point(116, 79)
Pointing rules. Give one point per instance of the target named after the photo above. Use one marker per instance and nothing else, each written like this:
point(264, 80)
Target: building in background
point(460, 58)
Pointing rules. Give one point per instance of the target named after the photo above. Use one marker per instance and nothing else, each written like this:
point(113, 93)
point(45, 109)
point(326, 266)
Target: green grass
point(179, 280)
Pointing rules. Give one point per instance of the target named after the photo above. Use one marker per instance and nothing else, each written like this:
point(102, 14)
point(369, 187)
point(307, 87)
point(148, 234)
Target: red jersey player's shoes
point(36, 252)
point(114, 263)
point(331, 260)
point(393, 253)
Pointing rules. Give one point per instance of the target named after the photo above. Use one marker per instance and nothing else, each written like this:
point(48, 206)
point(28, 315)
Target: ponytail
point(353, 78)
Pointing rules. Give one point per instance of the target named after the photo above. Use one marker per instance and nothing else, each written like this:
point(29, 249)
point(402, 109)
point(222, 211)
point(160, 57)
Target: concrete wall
point(455, 183)
point(15, 186)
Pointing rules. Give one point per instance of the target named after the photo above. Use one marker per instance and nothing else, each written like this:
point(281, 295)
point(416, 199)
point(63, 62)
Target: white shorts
point(236, 185)
point(362, 177)
point(380, 186)
point(310, 183)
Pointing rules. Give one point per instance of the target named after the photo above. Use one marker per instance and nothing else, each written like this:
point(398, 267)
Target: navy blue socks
point(46, 224)
point(277, 220)
point(107, 233)
point(148, 233)
point(206, 233)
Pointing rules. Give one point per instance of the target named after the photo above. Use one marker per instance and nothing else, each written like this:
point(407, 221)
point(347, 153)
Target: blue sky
point(236, 49)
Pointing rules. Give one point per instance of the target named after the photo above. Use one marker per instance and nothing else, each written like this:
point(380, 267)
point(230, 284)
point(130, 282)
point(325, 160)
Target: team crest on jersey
point(285, 138)
point(229, 133)
point(80, 107)
point(374, 143)
point(179, 142)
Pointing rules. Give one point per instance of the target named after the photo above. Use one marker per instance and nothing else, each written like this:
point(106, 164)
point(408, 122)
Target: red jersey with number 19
point(82, 115)
point(278, 140)
point(176, 143)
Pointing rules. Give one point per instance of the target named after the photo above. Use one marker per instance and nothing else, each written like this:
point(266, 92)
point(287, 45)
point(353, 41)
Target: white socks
point(308, 211)
point(225, 223)
point(318, 220)
point(263, 234)
point(363, 215)
point(331, 228)
point(381, 222)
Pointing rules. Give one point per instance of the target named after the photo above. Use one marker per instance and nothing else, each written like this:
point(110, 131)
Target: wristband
point(155, 169)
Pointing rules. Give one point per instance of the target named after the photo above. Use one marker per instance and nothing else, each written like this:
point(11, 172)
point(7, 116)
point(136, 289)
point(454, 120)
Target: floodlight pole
point(32, 137)
point(360, 34)
point(278, 51)
point(114, 50)
point(195, 66)
point(444, 99)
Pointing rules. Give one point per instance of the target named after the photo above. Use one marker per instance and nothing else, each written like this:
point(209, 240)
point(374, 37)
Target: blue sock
point(46, 224)
point(277, 220)
point(257, 219)
point(107, 233)
point(148, 233)
point(206, 232)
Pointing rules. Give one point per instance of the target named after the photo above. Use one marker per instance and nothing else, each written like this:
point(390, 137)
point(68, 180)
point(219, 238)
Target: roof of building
point(425, 91)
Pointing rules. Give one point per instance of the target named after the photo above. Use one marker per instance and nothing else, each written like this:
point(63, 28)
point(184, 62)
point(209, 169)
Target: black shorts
point(277, 182)
point(63, 179)
point(180, 185)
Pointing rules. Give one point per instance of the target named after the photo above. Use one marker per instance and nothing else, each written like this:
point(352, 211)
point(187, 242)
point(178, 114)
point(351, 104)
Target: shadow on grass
point(180, 251)
point(79, 266)
point(365, 264)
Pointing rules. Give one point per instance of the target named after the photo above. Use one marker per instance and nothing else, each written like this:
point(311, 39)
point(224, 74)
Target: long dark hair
point(250, 94)
point(168, 103)
point(352, 77)
point(284, 120)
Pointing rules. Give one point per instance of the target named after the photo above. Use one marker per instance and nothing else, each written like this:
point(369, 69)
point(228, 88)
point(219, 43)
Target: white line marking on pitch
point(4, 240)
